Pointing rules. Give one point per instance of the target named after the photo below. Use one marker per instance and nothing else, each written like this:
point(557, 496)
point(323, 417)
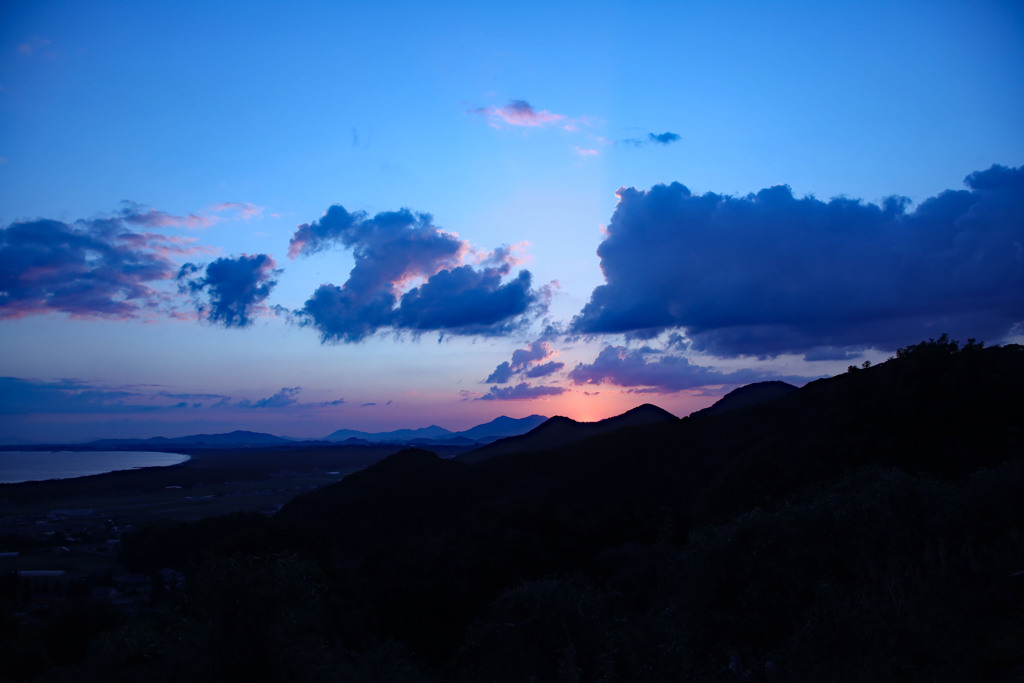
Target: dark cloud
point(769, 273)
point(543, 370)
point(534, 352)
point(286, 397)
point(521, 391)
point(391, 250)
point(665, 138)
point(100, 268)
point(233, 287)
point(26, 396)
point(467, 301)
point(662, 372)
point(502, 374)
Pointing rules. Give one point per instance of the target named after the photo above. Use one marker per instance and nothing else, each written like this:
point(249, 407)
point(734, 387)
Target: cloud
point(517, 113)
point(666, 138)
point(90, 268)
point(282, 399)
point(502, 374)
point(392, 250)
point(137, 215)
point(233, 288)
point(27, 396)
point(467, 301)
point(626, 367)
point(768, 273)
point(520, 391)
point(534, 352)
point(544, 369)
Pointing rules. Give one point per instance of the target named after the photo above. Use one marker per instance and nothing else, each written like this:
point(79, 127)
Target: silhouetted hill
point(863, 527)
point(560, 431)
point(746, 396)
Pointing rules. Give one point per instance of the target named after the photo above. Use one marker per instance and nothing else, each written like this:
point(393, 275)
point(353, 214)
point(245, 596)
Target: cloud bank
point(394, 249)
point(521, 391)
point(229, 290)
point(768, 273)
point(99, 268)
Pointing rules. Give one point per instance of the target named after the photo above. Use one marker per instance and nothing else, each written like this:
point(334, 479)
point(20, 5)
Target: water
point(19, 466)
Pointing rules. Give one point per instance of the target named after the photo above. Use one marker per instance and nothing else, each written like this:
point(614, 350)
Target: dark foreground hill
point(562, 431)
point(864, 527)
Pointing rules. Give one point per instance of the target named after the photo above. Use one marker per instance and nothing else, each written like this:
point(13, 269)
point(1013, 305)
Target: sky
point(300, 217)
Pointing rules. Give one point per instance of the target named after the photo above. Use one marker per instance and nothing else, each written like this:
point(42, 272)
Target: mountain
point(560, 431)
point(484, 433)
point(396, 436)
point(866, 523)
point(501, 427)
point(235, 439)
point(746, 396)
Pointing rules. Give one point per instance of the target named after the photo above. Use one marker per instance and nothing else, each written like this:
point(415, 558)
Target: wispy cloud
point(666, 138)
point(519, 113)
point(521, 392)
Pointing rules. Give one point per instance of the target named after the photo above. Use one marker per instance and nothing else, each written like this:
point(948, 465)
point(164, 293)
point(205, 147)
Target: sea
point(19, 466)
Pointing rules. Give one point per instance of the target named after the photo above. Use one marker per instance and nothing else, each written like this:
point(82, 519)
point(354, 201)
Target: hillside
point(562, 431)
point(863, 527)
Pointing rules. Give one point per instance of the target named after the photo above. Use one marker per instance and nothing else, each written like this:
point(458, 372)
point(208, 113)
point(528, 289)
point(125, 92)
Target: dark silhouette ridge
point(861, 527)
point(746, 396)
point(561, 431)
point(585, 506)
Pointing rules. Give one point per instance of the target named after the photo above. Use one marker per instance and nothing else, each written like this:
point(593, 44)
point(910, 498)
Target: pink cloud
point(518, 113)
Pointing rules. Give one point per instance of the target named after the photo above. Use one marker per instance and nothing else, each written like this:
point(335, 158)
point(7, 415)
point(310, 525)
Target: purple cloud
point(233, 288)
point(520, 392)
point(534, 352)
point(393, 249)
point(625, 367)
point(768, 273)
point(543, 370)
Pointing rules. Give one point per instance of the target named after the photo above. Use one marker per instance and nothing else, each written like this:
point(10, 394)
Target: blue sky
point(158, 163)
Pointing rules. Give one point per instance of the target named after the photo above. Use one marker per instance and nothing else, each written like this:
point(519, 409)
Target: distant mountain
point(397, 436)
point(237, 438)
point(562, 431)
point(746, 396)
point(497, 428)
point(501, 427)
